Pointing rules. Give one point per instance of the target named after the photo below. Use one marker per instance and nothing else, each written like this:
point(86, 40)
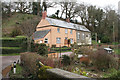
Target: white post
point(14, 68)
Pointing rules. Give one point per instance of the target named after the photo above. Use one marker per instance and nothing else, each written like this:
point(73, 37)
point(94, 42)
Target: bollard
point(14, 68)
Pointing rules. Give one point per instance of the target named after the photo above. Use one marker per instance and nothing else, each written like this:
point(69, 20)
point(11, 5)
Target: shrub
point(84, 51)
point(30, 61)
point(103, 61)
point(16, 31)
point(53, 46)
point(115, 76)
point(42, 74)
point(42, 49)
point(105, 39)
point(66, 60)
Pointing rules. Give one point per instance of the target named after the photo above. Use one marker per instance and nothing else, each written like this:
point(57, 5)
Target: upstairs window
point(58, 30)
point(58, 40)
point(78, 36)
point(66, 31)
point(46, 40)
point(70, 31)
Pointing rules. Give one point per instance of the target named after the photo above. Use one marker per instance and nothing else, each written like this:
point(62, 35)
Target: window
point(86, 35)
point(46, 40)
point(66, 31)
point(40, 41)
point(58, 30)
point(58, 40)
point(70, 31)
point(83, 36)
point(66, 38)
point(71, 41)
point(78, 36)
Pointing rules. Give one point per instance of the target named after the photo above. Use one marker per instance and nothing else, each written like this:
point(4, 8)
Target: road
point(8, 60)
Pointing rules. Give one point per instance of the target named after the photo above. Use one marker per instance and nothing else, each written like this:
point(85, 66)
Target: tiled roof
point(40, 34)
point(65, 24)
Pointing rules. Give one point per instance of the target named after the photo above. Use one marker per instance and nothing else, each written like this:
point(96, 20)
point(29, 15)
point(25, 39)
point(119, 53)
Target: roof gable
point(40, 34)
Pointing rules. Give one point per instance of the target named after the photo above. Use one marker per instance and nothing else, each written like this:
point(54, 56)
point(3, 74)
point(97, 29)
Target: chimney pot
point(44, 14)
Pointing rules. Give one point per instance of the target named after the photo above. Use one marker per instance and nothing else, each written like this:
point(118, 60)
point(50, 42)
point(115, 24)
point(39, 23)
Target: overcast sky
point(98, 3)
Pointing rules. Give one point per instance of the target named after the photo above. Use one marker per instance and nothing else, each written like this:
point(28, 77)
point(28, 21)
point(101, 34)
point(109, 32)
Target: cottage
point(60, 33)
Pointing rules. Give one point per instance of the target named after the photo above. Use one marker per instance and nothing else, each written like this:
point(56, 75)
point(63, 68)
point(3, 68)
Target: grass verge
point(19, 72)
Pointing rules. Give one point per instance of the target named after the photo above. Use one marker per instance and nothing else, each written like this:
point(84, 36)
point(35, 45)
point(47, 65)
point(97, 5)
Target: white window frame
point(45, 40)
point(66, 31)
point(58, 40)
point(71, 31)
point(71, 41)
point(58, 30)
point(78, 35)
point(83, 36)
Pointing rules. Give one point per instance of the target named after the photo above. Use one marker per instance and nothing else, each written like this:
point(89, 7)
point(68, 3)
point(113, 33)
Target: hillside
point(8, 24)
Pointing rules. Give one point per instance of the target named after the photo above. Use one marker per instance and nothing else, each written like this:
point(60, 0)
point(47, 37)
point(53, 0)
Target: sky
point(98, 3)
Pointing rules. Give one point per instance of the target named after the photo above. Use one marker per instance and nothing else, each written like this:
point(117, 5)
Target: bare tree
point(28, 28)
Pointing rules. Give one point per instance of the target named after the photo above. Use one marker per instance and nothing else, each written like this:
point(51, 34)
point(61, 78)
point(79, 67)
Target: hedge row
point(62, 49)
point(12, 42)
point(10, 50)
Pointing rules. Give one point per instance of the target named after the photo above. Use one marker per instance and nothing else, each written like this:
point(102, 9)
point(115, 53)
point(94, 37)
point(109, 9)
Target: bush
point(42, 74)
point(105, 39)
point(103, 61)
point(42, 49)
point(66, 60)
point(84, 51)
point(16, 31)
point(30, 61)
point(115, 76)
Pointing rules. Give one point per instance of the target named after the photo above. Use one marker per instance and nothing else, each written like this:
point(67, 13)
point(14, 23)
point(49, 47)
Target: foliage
point(66, 60)
point(10, 50)
point(30, 61)
point(16, 31)
point(115, 76)
point(42, 72)
point(110, 72)
point(79, 71)
point(19, 73)
point(105, 39)
point(42, 49)
point(12, 42)
point(84, 51)
point(103, 61)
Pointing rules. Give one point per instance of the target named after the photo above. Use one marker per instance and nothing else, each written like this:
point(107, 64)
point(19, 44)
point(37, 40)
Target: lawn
point(117, 51)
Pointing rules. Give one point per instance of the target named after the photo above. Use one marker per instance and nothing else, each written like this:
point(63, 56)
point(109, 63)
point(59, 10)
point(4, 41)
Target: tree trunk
point(29, 44)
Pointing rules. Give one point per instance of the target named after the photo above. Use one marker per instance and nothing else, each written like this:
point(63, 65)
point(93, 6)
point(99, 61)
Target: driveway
point(8, 60)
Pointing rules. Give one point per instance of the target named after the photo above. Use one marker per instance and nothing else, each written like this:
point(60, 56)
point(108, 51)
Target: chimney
point(67, 20)
point(44, 14)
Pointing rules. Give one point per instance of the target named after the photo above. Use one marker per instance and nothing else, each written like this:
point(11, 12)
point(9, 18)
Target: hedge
point(62, 49)
point(9, 50)
point(12, 42)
